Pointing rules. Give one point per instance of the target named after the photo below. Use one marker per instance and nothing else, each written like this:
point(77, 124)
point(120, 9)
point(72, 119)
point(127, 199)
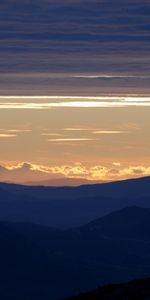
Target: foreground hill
point(39, 262)
point(139, 290)
point(65, 207)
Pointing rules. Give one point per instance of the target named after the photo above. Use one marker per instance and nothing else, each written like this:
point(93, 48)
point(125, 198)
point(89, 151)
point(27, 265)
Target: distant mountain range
point(65, 207)
point(62, 182)
point(38, 262)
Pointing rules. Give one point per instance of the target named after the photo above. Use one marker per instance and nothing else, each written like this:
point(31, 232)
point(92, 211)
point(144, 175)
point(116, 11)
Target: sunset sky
point(74, 89)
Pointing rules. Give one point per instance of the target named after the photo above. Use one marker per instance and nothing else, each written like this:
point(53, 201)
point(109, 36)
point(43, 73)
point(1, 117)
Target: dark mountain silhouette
point(126, 188)
point(65, 207)
point(137, 289)
point(39, 262)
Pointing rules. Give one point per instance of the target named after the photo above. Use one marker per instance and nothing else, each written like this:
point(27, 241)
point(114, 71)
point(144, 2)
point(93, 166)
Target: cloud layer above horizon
point(28, 173)
point(54, 47)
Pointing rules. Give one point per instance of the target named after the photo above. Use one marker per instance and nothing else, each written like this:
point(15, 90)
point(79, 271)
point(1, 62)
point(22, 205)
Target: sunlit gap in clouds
point(55, 102)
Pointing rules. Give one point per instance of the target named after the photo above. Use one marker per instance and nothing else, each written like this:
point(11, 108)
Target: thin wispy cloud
point(109, 76)
point(93, 130)
point(19, 130)
point(16, 130)
point(4, 135)
point(108, 132)
point(51, 134)
point(76, 129)
point(70, 139)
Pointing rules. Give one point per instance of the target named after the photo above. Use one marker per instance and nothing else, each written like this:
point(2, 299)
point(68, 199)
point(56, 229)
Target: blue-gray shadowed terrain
point(110, 241)
point(41, 39)
point(65, 207)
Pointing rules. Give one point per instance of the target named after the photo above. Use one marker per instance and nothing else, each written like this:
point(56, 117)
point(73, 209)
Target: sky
point(74, 89)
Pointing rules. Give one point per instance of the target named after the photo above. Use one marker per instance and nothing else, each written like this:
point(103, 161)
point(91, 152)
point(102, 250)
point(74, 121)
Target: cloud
point(15, 130)
point(18, 130)
point(70, 139)
point(117, 164)
point(51, 134)
point(108, 132)
point(72, 135)
point(76, 129)
point(34, 102)
point(110, 76)
point(106, 43)
point(25, 172)
point(93, 130)
point(12, 133)
point(4, 135)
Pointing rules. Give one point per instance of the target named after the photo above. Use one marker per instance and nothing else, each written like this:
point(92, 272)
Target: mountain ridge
point(66, 207)
point(59, 263)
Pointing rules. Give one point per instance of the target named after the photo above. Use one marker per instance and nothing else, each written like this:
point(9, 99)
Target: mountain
point(39, 262)
point(66, 207)
point(137, 289)
point(61, 182)
point(125, 188)
point(130, 222)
